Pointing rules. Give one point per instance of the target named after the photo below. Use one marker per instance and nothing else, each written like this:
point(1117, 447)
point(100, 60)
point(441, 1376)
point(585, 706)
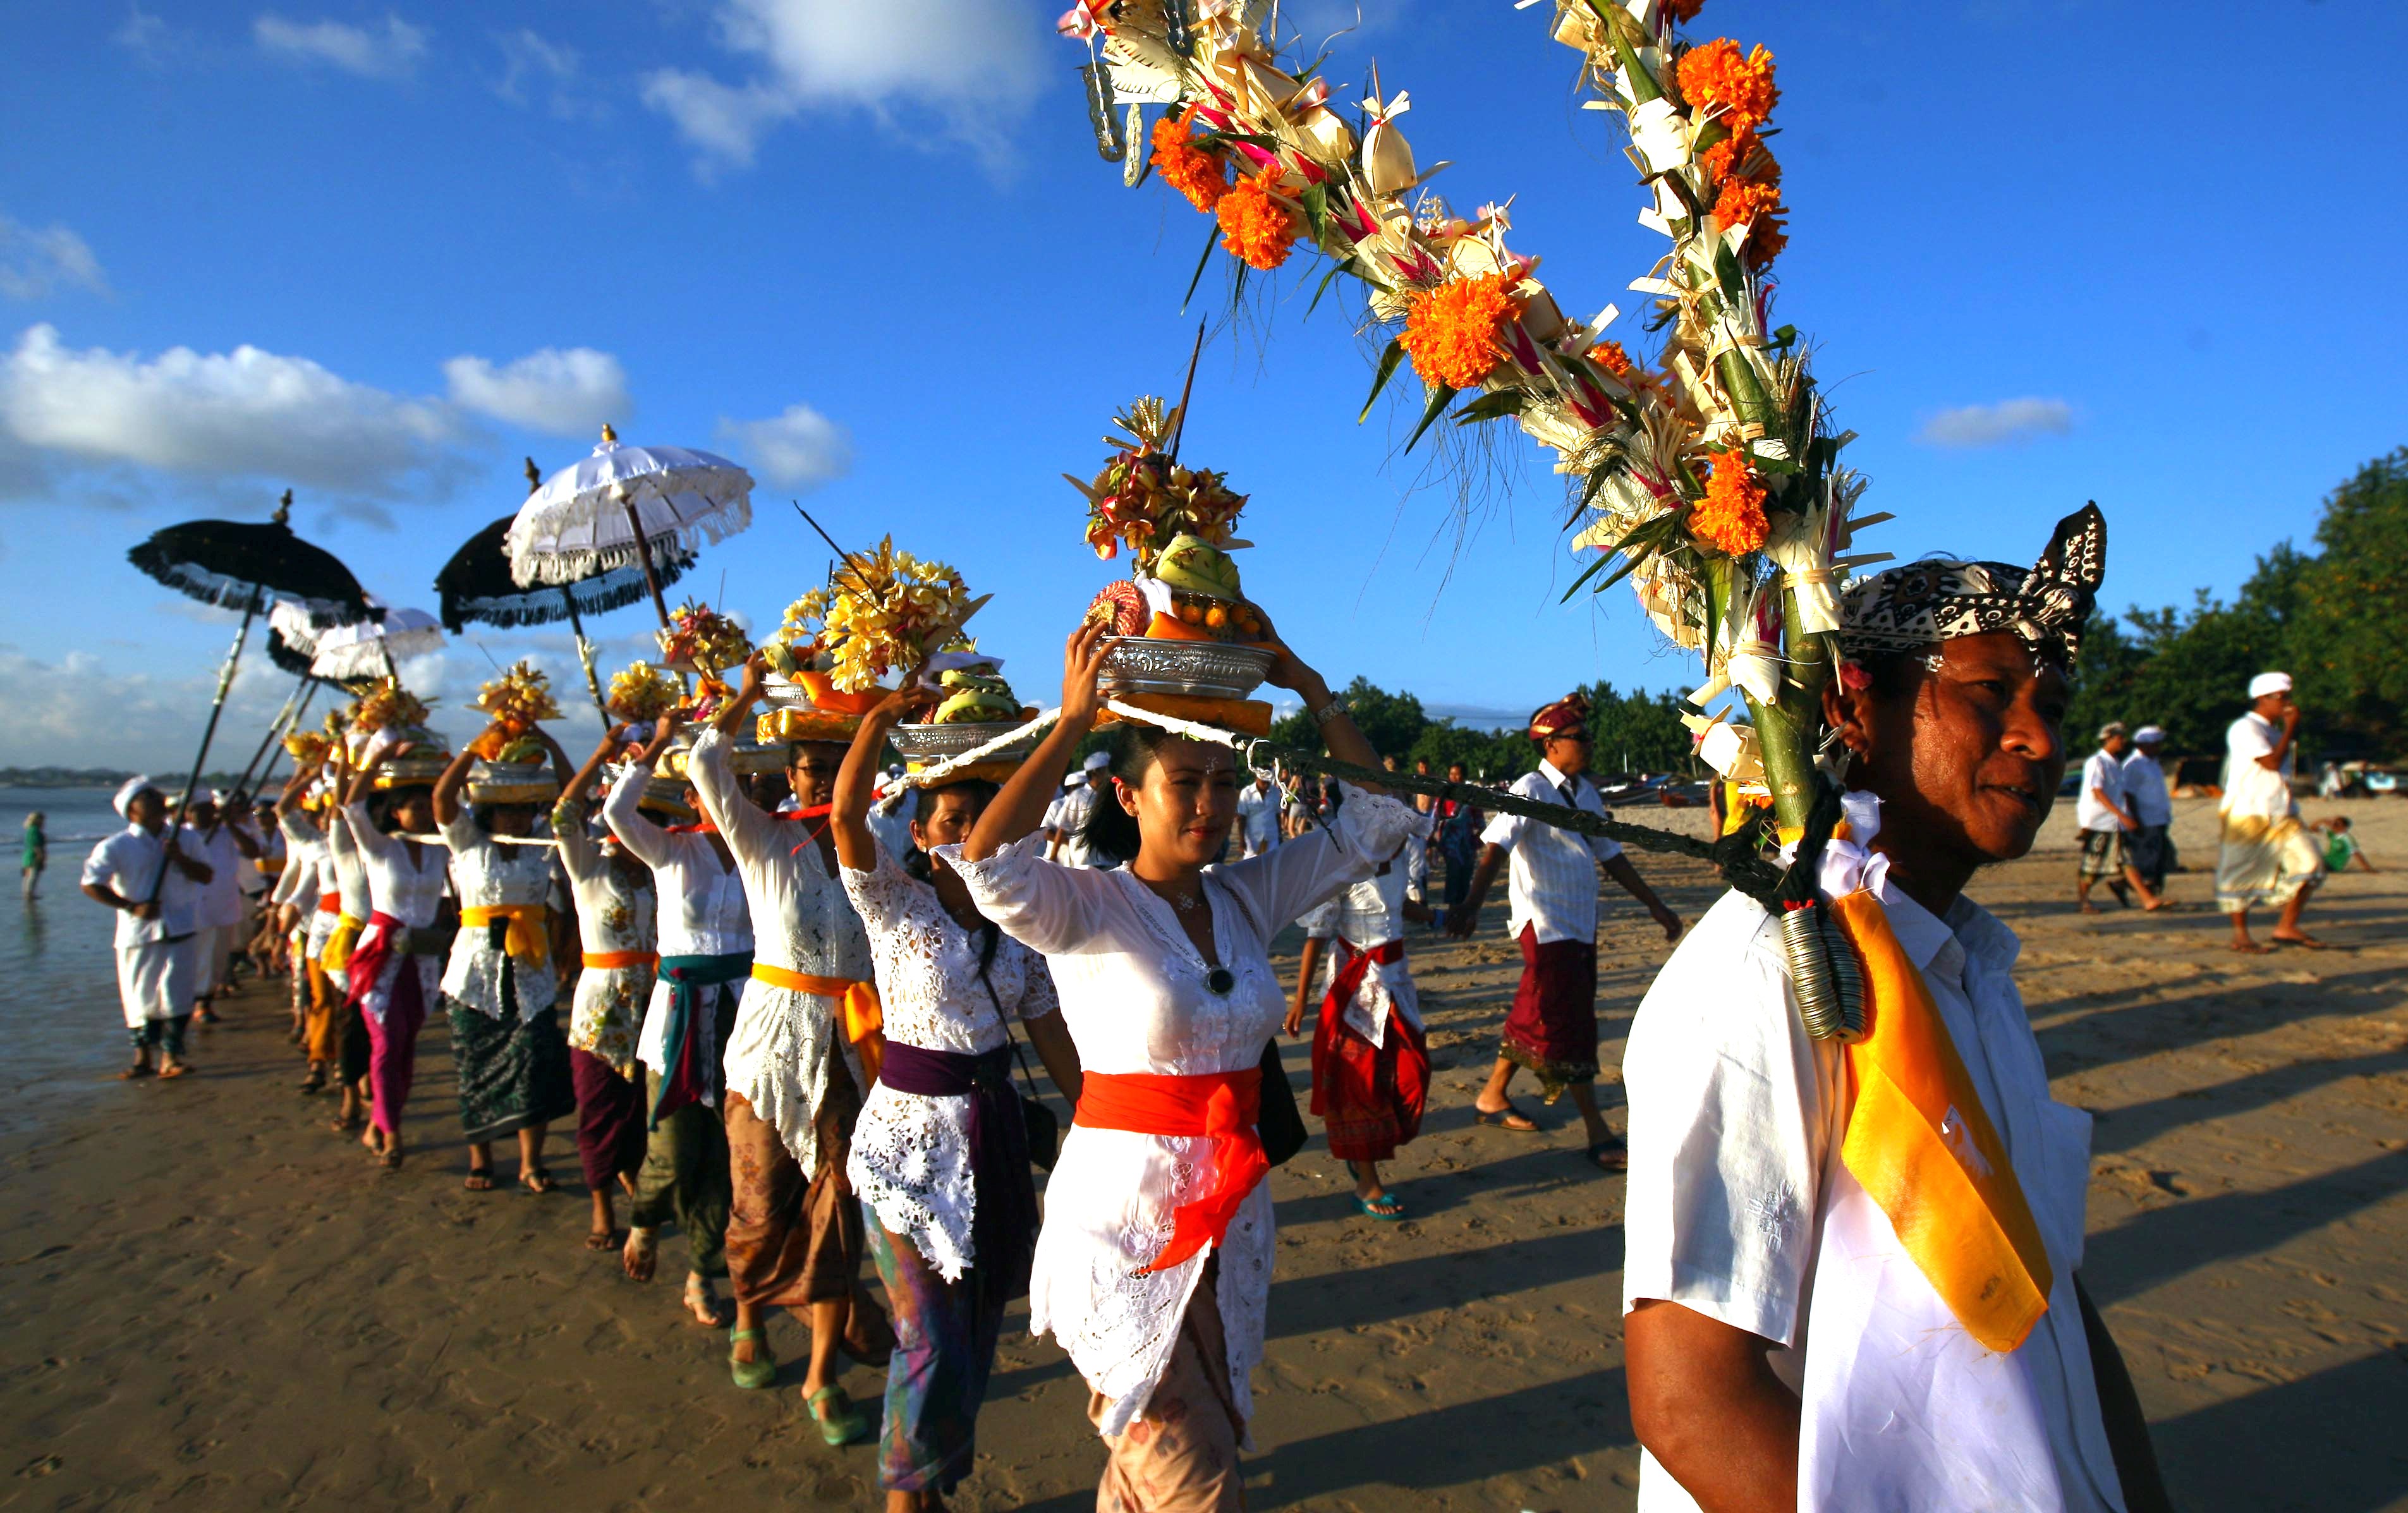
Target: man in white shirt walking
point(1258, 815)
point(2105, 819)
point(2265, 856)
point(1786, 1349)
point(1065, 823)
point(155, 888)
point(2150, 845)
point(1553, 1027)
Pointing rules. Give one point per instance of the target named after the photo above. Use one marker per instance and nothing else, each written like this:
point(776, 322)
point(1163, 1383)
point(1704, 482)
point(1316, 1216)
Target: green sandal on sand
point(842, 1423)
point(756, 1373)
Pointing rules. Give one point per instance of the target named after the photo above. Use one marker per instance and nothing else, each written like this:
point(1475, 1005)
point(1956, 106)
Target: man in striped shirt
point(1553, 1027)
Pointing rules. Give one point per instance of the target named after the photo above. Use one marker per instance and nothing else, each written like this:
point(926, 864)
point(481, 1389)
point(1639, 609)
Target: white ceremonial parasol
point(621, 504)
point(372, 649)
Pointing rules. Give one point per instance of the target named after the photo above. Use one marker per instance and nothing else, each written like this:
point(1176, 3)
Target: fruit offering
point(641, 694)
point(975, 698)
point(881, 610)
point(1144, 499)
point(702, 640)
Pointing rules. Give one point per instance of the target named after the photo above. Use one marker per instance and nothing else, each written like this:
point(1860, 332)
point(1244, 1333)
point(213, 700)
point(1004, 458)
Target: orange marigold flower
point(1757, 204)
point(1714, 74)
point(1201, 176)
point(1451, 331)
point(1730, 154)
point(1730, 518)
point(1255, 228)
point(1609, 356)
point(1766, 240)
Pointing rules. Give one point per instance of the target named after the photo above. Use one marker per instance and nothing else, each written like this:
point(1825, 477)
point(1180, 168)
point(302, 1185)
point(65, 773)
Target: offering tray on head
point(1195, 669)
point(419, 768)
point(922, 745)
point(512, 782)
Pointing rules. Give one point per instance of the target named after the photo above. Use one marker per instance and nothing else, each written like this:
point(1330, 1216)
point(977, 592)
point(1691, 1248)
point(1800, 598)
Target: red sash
point(1222, 1105)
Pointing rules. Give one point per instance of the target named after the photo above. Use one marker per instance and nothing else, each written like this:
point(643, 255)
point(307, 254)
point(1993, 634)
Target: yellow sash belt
point(1923, 1147)
point(865, 1018)
point(527, 939)
point(337, 954)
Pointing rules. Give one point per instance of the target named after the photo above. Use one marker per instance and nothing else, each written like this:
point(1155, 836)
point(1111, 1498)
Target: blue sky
point(379, 251)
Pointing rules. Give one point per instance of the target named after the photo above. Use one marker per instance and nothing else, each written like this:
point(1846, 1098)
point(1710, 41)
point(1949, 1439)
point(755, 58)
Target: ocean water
point(59, 1018)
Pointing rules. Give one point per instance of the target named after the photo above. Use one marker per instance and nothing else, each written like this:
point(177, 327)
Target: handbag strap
point(1005, 1020)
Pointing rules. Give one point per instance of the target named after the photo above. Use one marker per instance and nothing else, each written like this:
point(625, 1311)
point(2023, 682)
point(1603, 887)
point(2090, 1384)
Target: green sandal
point(843, 1424)
point(758, 1372)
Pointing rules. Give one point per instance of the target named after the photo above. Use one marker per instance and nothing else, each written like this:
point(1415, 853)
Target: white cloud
point(37, 261)
point(799, 448)
point(535, 65)
point(970, 64)
point(391, 53)
point(83, 711)
point(561, 392)
point(148, 37)
point(218, 415)
point(2008, 422)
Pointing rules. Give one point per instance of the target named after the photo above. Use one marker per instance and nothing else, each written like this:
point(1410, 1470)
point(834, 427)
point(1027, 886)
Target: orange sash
point(1220, 1105)
point(608, 960)
point(1923, 1147)
point(865, 1018)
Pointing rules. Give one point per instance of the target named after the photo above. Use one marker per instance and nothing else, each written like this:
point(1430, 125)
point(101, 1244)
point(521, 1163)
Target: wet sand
point(211, 1302)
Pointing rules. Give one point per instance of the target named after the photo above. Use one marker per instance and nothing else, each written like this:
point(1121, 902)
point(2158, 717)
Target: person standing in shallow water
point(36, 854)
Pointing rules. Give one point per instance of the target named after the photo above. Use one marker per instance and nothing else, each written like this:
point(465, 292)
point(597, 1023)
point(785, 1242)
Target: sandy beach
point(212, 1303)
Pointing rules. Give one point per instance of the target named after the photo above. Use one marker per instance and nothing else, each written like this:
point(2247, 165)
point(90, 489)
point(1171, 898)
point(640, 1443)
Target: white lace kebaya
point(785, 1039)
point(910, 1157)
point(407, 892)
point(490, 874)
point(1135, 1000)
point(703, 910)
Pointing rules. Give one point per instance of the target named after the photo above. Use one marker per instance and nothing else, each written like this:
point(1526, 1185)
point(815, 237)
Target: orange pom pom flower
point(1451, 331)
point(1611, 356)
point(1255, 228)
point(1201, 176)
point(1716, 76)
point(1730, 518)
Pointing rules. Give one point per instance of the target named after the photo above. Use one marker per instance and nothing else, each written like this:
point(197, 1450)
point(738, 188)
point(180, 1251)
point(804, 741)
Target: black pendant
point(1220, 981)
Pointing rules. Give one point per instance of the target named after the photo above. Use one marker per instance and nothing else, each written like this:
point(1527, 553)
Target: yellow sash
point(865, 1018)
point(337, 954)
point(527, 939)
point(1922, 1144)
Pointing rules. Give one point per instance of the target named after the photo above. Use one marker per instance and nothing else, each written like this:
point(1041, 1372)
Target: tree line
point(1640, 732)
point(2334, 618)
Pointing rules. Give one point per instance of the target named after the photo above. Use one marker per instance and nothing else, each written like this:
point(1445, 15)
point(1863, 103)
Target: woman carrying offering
point(940, 1156)
point(618, 926)
point(1154, 1268)
point(795, 1078)
point(297, 901)
point(396, 967)
point(500, 985)
point(705, 940)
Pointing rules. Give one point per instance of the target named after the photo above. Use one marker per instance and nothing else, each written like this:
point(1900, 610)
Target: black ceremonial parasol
point(476, 585)
point(242, 564)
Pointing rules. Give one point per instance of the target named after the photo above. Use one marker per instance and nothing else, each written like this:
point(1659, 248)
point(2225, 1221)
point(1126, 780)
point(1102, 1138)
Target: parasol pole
point(569, 598)
point(210, 730)
point(643, 547)
point(1187, 389)
point(276, 753)
point(293, 703)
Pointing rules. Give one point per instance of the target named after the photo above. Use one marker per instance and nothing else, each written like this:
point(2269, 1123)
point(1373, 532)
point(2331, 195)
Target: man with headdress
point(1553, 1027)
point(1918, 1194)
point(2266, 856)
point(155, 888)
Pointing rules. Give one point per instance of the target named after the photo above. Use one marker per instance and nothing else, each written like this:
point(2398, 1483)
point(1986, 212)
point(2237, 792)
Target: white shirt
point(911, 1155)
point(221, 901)
point(404, 890)
point(2144, 790)
point(1134, 999)
point(1554, 871)
point(701, 909)
point(2100, 774)
point(261, 873)
point(786, 1046)
point(304, 849)
point(615, 914)
point(350, 879)
point(1371, 914)
point(485, 872)
point(1070, 822)
point(1740, 1208)
point(127, 863)
point(2252, 791)
point(1258, 812)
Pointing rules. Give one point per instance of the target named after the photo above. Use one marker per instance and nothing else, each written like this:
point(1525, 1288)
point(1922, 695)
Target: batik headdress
point(1922, 603)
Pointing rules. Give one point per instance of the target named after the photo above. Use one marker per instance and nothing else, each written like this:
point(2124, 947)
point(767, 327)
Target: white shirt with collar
point(1740, 1208)
point(127, 863)
point(2144, 790)
point(1554, 871)
point(2251, 790)
point(221, 903)
point(1071, 823)
point(1258, 814)
point(2100, 774)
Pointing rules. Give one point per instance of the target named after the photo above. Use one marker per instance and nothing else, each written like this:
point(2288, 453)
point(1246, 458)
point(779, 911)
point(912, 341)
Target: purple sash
point(1003, 1225)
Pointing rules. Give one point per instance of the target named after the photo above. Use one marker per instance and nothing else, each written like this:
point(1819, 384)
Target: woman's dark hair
point(1111, 833)
point(981, 793)
point(385, 807)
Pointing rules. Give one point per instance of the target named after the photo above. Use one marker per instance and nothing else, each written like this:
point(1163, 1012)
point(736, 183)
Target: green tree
point(2349, 613)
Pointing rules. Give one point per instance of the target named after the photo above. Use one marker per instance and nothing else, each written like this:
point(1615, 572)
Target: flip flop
point(180, 1069)
point(1499, 1117)
point(761, 1370)
point(536, 1181)
point(136, 1072)
point(842, 1423)
point(1613, 1148)
point(1366, 1206)
point(480, 1180)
